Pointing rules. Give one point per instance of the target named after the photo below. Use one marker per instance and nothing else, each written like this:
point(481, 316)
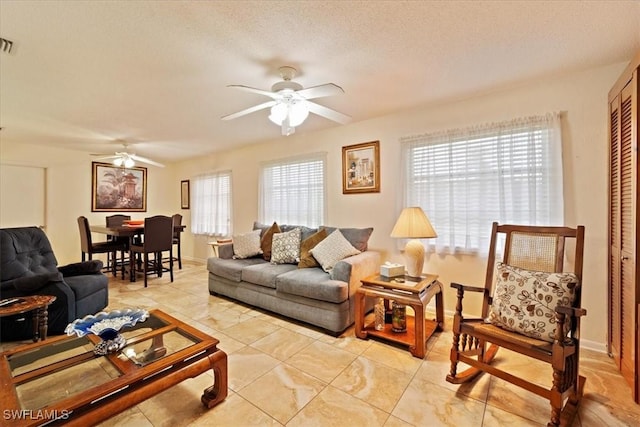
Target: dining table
point(130, 231)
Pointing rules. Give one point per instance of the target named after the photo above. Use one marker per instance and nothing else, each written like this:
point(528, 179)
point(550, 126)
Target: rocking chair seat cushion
point(524, 301)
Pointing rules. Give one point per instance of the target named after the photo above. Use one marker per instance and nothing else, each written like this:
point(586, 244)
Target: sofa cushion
point(333, 249)
point(32, 282)
point(267, 239)
point(246, 245)
point(264, 274)
point(306, 258)
point(312, 283)
point(305, 231)
point(286, 247)
point(358, 237)
point(231, 268)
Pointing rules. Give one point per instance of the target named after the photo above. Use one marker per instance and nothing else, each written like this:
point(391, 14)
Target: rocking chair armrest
point(571, 311)
point(469, 288)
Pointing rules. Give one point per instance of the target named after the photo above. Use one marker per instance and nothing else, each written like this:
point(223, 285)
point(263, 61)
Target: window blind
point(292, 191)
point(464, 179)
point(211, 204)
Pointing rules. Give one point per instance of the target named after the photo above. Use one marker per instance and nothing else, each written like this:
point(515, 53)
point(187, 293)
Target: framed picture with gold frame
point(361, 168)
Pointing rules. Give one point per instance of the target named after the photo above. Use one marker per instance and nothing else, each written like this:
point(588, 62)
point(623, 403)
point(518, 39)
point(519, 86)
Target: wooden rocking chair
point(530, 255)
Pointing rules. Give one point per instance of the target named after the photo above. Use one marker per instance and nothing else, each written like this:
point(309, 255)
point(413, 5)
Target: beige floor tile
point(373, 382)
point(396, 422)
point(519, 401)
point(595, 414)
point(235, 411)
point(246, 365)
point(495, 417)
point(250, 330)
point(348, 342)
point(282, 392)
point(177, 405)
point(333, 407)
point(132, 417)
point(426, 404)
point(321, 361)
point(394, 357)
point(282, 344)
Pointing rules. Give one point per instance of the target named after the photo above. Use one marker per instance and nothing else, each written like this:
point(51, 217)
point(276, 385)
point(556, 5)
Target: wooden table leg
point(218, 391)
point(36, 324)
point(360, 300)
point(440, 309)
point(418, 350)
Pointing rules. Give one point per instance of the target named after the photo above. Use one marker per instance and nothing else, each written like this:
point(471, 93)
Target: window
point(211, 204)
point(465, 179)
point(292, 191)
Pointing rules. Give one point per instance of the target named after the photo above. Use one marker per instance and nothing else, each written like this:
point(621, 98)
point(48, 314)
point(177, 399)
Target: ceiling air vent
point(5, 45)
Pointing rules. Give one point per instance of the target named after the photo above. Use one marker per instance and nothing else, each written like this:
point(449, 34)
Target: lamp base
point(414, 256)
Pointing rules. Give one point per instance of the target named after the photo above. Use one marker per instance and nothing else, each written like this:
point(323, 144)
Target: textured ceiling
point(85, 73)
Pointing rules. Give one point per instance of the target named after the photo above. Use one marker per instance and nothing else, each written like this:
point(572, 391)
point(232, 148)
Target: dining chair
point(89, 248)
point(177, 221)
point(531, 306)
point(158, 238)
point(118, 221)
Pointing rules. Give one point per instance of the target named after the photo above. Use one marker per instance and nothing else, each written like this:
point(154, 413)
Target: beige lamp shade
point(413, 224)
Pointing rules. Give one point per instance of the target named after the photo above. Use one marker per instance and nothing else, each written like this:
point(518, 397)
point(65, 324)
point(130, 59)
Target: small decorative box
point(391, 270)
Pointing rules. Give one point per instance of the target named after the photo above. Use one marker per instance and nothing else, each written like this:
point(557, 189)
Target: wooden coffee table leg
point(36, 324)
point(418, 349)
point(44, 322)
point(218, 391)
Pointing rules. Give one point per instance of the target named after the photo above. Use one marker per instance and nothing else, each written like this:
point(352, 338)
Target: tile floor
point(282, 373)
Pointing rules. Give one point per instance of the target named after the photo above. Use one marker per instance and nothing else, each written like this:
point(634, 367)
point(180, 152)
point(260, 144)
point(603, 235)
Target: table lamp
point(413, 224)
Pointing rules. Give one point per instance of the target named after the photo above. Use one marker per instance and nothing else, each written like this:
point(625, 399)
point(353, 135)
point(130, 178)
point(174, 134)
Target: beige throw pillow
point(246, 245)
point(333, 249)
point(524, 301)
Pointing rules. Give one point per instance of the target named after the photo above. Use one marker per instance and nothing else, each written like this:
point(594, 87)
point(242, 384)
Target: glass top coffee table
point(61, 381)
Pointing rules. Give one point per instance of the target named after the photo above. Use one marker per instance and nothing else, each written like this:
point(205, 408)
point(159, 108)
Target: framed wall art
point(184, 194)
point(118, 189)
point(361, 168)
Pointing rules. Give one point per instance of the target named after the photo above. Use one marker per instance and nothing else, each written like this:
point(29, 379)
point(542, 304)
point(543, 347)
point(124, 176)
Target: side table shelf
point(415, 293)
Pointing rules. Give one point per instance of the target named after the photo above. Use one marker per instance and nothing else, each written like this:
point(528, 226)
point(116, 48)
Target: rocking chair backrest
point(533, 248)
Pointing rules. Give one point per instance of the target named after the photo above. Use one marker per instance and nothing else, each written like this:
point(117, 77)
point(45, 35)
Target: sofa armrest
point(355, 268)
point(225, 250)
point(81, 268)
point(28, 285)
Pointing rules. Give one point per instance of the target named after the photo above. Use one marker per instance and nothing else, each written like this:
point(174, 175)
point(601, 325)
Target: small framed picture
point(361, 168)
point(184, 194)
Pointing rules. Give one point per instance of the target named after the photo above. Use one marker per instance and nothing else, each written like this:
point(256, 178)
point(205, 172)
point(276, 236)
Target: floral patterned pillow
point(285, 248)
point(524, 301)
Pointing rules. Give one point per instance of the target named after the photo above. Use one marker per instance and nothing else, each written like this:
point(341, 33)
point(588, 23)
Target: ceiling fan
point(290, 103)
point(126, 159)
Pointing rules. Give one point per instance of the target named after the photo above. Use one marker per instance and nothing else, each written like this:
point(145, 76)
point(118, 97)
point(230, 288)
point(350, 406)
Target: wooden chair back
point(158, 233)
point(117, 220)
point(85, 235)
point(548, 249)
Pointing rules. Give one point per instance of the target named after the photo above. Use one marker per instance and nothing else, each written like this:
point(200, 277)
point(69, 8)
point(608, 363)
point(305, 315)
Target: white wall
point(582, 97)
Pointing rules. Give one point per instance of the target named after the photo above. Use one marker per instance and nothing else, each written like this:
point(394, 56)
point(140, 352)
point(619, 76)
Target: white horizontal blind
point(292, 191)
point(464, 179)
point(211, 204)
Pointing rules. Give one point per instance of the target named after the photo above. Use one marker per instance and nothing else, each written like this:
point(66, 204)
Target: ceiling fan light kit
point(290, 105)
point(126, 159)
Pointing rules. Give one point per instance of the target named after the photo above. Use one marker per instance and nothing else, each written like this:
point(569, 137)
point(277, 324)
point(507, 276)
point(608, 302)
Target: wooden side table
point(38, 304)
point(416, 293)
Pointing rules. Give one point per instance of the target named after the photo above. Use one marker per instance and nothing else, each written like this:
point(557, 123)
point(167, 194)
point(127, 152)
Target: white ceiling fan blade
point(258, 91)
point(145, 160)
point(328, 89)
point(104, 156)
point(328, 113)
point(249, 110)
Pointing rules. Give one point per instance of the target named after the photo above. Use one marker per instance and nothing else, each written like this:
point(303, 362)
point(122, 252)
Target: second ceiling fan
point(290, 103)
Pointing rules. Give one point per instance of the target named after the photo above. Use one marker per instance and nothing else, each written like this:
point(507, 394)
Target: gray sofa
point(29, 267)
point(310, 295)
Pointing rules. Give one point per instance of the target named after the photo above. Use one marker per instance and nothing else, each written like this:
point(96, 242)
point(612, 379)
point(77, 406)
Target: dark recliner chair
point(29, 267)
